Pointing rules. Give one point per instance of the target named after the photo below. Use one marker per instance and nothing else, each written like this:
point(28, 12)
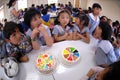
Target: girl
point(112, 72)
point(39, 33)
point(13, 14)
point(62, 29)
point(104, 54)
point(81, 30)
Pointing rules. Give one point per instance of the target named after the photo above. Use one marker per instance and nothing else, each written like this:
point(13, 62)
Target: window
point(22, 4)
point(52, 1)
point(2, 16)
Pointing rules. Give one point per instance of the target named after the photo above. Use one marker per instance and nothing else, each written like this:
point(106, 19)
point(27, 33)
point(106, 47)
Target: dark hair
point(29, 15)
point(83, 17)
point(102, 17)
point(63, 11)
point(106, 30)
point(96, 5)
point(44, 11)
point(33, 5)
point(113, 73)
point(9, 29)
point(10, 3)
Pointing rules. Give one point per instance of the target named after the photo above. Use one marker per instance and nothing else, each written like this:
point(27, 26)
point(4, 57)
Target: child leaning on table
point(17, 44)
point(112, 72)
point(39, 33)
point(62, 29)
point(81, 30)
point(105, 54)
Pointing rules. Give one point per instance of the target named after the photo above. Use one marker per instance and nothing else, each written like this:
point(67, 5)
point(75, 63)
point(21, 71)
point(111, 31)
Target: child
point(81, 30)
point(104, 54)
point(116, 45)
point(62, 29)
point(39, 33)
point(94, 17)
point(112, 72)
point(17, 44)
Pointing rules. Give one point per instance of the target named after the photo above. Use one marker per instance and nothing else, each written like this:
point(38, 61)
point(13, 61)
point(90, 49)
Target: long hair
point(63, 11)
point(10, 3)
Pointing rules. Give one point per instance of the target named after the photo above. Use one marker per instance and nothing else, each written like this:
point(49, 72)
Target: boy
point(17, 44)
point(94, 17)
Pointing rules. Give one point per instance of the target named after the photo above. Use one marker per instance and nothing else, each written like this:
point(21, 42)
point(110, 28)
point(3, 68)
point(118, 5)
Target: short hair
point(83, 17)
point(96, 5)
point(44, 11)
point(9, 29)
point(113, 73)
point(106, 30)
point(29, 15)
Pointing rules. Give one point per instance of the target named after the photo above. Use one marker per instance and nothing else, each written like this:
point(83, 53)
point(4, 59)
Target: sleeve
point(55, 30)
point(111, 55)
point(100, 57)
point(48, 31)
point(87, 30)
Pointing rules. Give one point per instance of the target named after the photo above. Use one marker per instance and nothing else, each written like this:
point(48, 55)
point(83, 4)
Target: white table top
point(28, 71)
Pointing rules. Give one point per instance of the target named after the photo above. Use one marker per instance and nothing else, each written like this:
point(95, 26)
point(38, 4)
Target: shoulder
point(105, 45)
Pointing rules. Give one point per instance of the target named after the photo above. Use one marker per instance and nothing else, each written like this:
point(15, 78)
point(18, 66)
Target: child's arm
point(85, 37)
point(48, 39)
point(70, 36)
point(75, 36)
point(60, 38)
point(34, 41)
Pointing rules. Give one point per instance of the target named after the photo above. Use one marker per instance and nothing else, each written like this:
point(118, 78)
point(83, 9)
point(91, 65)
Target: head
point(32, 18)
point(44, 11)
point(96, 8)
point(103, 31)
point(11, 3)
point(33, 5)
point(82, 19)
point(109, 22)
point(63, 18)
point(11, 33)
point(110, 73)
point(103, 19)
point(118, 38)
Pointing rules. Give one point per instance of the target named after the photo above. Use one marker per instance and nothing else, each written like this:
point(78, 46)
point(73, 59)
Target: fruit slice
point(66, 55)
point(66, 52)
point(76, 54)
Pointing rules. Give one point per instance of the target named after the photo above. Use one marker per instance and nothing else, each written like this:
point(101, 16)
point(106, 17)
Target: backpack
point(10, 66)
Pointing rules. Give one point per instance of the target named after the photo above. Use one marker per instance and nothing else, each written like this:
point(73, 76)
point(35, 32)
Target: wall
point(110, 8)
point(66, 1)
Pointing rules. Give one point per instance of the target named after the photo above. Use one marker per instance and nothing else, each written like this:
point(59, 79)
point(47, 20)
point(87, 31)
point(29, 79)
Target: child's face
point(15, 37)
point(64, 19)
point(102, 73)
point(77, 21)
point(36, 21)
point(98, 33)
point(96, 11)
point(118, 40)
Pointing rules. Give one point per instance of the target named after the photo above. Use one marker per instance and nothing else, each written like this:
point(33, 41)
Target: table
point(28, 71)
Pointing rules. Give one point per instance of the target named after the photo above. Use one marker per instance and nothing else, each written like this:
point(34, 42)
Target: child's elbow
point(50, 43)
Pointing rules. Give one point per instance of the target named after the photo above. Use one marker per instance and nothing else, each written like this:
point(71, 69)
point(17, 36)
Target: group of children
point(18, 44)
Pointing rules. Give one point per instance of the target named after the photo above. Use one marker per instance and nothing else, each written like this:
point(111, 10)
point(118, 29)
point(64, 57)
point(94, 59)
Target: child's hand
point(65, 35)
point(90, 73)
point(42, 29)
point(35, 32)
point(13, 54)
